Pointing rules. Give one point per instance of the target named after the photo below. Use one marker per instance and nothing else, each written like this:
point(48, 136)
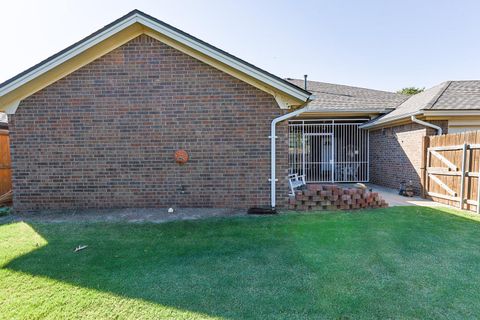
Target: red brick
point(396, 154)
point(104, 136)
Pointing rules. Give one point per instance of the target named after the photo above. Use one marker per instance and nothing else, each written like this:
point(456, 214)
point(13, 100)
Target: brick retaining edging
point(333, 197)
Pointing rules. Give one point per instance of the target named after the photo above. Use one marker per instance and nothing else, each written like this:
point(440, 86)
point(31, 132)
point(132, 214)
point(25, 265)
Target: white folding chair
point(295, 181)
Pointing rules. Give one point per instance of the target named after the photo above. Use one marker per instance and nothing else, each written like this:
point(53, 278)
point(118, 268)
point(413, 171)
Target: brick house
point(97, 126)
point(396, 137)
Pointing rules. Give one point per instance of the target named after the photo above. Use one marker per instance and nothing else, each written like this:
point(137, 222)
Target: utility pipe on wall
point(273, 136)
point(427, 124)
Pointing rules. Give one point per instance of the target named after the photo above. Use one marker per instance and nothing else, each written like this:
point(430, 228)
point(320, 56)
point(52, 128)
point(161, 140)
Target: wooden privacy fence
point(5, 167)
point(451, 169)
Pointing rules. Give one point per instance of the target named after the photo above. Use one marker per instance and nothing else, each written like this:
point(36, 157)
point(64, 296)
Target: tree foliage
point(410, 91)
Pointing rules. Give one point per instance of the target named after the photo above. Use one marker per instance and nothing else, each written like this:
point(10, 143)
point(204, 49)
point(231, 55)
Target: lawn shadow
point(224, 268)
point(350, 264)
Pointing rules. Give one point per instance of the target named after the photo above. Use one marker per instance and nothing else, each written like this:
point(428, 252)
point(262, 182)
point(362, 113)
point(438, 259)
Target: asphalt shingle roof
point(335, 97)
point(414, 104)
point(459, 95)
point(449, 95)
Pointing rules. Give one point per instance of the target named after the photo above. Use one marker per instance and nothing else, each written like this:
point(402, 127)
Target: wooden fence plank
point(424, 167)
point(462, 177)
point(5, 163)
point(443, 185)
point(442, 196)
point(472, 168)
point(444, 160)
point(443, 181)
point(443, 172)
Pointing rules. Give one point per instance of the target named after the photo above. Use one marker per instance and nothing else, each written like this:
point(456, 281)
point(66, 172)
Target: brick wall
point(105, 135)
point(396, 154)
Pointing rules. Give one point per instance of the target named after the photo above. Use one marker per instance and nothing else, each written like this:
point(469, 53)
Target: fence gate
point(452, 165)
point(5, 168)
point(329, 150)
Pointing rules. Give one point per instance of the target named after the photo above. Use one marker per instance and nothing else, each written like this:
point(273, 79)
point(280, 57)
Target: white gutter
point(272, 137)
point(427, 124)
point(379, 123)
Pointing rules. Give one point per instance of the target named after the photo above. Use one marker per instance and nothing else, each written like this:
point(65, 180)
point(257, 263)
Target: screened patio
point(329, 150)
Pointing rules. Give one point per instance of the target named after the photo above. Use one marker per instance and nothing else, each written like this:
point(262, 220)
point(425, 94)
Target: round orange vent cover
point(181, 156)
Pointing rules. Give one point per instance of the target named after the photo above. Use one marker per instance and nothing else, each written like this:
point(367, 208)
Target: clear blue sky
point(376, 44)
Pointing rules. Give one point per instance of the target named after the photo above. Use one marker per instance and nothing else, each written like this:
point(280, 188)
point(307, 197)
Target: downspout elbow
point(273, 179)
point(427, 124)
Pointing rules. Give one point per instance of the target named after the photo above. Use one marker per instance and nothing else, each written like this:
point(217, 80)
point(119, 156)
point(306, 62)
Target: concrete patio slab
point(394, 199)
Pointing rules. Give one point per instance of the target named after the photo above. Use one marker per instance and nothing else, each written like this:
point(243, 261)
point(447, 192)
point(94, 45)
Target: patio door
point(318, 157)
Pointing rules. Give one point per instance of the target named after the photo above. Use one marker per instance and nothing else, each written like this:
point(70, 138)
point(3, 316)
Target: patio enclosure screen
point(329, 150)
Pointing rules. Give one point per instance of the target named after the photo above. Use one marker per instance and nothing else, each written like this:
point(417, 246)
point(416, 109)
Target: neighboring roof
point(459, 95)
point(136, 23)
point(330, 97)
point(449, 95)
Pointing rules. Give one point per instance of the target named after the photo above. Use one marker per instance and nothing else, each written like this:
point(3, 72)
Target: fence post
point(423, 168)
point(462, 177)
point(478, 194)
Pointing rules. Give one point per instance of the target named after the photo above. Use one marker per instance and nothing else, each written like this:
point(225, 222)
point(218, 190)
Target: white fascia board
point(67, 55)
point(282, 103)
point(167, 32)
point(12, 107)
point(379, 122)
point(451, 113)
point(463, 122)
point(366, 111)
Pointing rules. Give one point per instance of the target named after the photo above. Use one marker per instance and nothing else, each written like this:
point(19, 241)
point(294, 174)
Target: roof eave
point(370, 111)
point(283, 87)
point(450, 113)
point(378, 123)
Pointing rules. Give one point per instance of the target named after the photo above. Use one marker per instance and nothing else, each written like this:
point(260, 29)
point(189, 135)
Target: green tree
point(410, 91)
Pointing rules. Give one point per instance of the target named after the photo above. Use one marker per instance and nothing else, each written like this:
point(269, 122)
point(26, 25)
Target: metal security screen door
point(329, 150)
point(318, 156)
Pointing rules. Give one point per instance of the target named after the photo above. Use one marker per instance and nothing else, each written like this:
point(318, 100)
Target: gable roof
point(449, 95)
point(334, 97)
point(459, 95)
point(123, 30)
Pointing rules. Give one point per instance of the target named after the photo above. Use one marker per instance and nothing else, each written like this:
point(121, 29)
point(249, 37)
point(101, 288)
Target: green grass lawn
point(402, 262)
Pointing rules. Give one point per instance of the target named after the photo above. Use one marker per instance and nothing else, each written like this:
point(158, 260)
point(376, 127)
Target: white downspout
point(427, 124)
point(272, 137)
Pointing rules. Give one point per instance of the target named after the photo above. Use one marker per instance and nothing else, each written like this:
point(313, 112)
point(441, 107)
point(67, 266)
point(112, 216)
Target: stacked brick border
point(333, 197)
